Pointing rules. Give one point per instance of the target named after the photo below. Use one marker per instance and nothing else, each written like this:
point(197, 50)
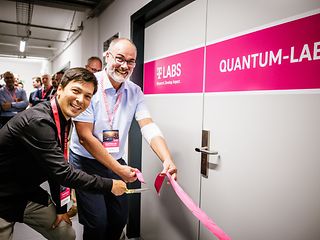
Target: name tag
point(64, 195)
point(111, 140)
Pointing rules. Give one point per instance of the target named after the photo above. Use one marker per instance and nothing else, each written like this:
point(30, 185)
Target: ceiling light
point(22, 45)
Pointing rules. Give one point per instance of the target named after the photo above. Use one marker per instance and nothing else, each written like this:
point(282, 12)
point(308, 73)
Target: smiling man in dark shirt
point(33, 149)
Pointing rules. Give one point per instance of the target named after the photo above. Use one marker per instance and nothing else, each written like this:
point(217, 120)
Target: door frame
point(146, 16)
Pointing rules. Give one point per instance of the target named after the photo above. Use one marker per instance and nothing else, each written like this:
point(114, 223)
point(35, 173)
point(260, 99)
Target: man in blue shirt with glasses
point(98, 145)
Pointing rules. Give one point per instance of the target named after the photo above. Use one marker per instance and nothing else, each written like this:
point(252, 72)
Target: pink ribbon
point(201, 215)
point(139, 176)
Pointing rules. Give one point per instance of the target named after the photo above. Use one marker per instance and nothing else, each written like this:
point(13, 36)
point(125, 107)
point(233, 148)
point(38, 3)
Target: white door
point(264, 183)
point(179, 115)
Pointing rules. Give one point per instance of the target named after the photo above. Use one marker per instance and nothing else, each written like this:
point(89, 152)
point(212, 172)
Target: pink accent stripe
point(286, 56)
point(139, 176)
point(201, 215)
point(180, 73)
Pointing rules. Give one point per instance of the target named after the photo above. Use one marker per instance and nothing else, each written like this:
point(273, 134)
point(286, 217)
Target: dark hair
point(79, 74)
point(37, 79)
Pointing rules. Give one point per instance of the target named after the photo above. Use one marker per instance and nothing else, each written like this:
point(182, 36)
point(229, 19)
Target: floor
point(24, 232)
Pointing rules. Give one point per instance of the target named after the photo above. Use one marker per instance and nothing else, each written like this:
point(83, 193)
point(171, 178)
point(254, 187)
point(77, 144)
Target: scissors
point(136, 190)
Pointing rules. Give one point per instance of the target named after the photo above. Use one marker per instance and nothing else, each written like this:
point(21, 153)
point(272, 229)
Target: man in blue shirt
point(98, 145)
point(12, 99)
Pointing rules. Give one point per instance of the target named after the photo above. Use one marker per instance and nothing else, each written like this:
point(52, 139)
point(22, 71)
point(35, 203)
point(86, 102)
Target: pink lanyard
point(57, 121)
point(12, 95)
point(110, 113)
point(201, 215)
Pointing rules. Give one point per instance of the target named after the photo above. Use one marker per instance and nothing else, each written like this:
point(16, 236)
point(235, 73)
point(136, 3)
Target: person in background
point(2, 83)
point(55, 81)
point(98, 144)
point(41, 133)
point(36, 83)
point(12, 99)
point(94, 64)
point(59, 76)
point(46, 92)
point(20, 84)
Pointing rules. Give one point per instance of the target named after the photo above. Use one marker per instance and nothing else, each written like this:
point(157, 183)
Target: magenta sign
point(180, 73)
point(286, 56)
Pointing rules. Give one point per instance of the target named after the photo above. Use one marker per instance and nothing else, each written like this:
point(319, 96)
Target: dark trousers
point(103, 215)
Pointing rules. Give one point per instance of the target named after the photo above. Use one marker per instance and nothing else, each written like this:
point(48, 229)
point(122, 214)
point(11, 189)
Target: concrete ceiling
point(45, 25)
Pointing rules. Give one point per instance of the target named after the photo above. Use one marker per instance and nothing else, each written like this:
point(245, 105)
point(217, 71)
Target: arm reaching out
point(154, 137)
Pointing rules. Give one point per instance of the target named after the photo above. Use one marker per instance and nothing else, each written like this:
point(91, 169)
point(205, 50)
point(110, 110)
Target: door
point(264, 182)
point(263, 121)
point(174, 54)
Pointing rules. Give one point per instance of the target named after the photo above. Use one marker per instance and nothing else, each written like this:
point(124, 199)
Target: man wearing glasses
point(98, 145)
point(94, 64)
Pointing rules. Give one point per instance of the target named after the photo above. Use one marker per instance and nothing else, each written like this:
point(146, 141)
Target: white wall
point(72, 54)
point(90, 37)
point(116, 19)
point(26, 69)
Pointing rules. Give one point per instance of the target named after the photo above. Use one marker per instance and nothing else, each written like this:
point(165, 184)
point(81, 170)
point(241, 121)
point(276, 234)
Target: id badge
point(111, 140)
point(64, 195)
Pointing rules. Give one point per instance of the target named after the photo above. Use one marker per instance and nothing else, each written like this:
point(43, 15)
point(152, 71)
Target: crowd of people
point(98, 103)
point(13, 97)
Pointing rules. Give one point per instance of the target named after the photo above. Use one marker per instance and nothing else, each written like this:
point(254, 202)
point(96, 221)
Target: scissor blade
point(136, 190)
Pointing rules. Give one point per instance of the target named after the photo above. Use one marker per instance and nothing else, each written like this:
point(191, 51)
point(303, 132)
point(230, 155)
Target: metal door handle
point(206, 151)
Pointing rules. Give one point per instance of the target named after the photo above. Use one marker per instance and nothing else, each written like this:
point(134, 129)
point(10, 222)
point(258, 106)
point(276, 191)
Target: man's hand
point(60, 218)
point(118, 187)
point(6, 106)
point(127, 173)
point(168, 166)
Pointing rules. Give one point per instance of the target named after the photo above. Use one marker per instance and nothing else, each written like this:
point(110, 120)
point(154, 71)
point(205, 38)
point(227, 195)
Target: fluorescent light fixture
point(22, 45)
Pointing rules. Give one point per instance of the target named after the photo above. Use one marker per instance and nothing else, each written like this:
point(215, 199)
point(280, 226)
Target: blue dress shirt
point(132, 104)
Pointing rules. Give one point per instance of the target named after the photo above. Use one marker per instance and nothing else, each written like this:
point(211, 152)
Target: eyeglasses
point(94, 70)
point(122, 60)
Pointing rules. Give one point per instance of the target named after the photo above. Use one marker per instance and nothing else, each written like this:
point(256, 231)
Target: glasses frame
point(122, 60)
point(94, 69)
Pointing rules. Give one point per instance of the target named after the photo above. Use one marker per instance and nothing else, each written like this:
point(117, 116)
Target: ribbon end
point(158, 182)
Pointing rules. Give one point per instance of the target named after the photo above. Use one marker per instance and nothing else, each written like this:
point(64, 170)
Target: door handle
point(205, 150)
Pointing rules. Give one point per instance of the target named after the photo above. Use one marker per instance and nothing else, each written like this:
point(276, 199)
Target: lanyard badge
point(110, 137)
point(64, 191)
point(111, 140)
